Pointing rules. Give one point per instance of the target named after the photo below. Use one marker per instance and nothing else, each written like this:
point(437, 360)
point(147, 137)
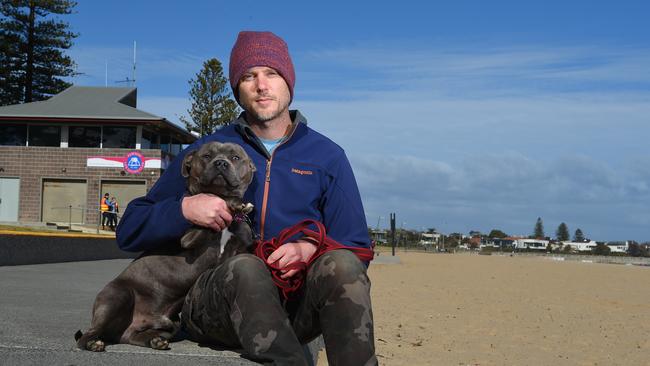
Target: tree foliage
point(562, 232)
point(495, 233)
point(538, 233)
point(636, 250)
point(578, 236)
point(601, 249)
point(32, 44)
point(212, 105)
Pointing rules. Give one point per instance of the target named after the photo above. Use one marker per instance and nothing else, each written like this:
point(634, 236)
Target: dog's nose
point(221, 163)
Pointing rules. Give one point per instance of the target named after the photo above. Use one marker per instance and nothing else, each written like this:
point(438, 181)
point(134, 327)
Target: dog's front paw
point(247, 208)
point(159, 343)
point(96, 345)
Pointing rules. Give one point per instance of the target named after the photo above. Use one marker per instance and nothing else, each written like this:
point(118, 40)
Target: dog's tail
point(78, 335)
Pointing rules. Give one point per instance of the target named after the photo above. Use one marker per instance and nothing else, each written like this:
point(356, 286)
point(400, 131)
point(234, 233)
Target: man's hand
point(290, 253)
point(207, 210)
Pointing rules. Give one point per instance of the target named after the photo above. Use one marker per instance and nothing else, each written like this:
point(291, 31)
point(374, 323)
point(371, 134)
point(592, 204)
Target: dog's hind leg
point(154, 338)
point(112, 314)
point(156, 334)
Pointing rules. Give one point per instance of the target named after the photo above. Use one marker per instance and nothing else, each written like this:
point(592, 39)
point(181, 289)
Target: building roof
point(87, 102)
point(83, 102)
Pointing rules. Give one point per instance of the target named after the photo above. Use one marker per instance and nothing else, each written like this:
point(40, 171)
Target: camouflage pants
point(237, 305)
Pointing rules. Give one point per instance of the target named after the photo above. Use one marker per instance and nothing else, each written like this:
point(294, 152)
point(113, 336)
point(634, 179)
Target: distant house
point(580, 246)
point(429, 239)
point(532, 244)
point(501, 243)
point(59, 156)
point(619, 246)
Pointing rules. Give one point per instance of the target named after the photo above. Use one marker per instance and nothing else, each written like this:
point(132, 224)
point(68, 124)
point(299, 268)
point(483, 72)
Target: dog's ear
point(187, 164)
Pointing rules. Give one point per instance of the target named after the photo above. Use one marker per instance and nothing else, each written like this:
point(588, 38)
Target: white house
point(619, 246)
point(581, 246)
point(534, 244)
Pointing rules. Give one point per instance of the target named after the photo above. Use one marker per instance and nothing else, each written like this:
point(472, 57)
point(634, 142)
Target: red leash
point(324, 245)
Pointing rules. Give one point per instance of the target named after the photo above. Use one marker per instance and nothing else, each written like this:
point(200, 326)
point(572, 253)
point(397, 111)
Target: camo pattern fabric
point(237, 305)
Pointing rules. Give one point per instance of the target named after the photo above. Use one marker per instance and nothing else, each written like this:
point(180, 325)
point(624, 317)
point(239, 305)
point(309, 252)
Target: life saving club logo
point(134, 163)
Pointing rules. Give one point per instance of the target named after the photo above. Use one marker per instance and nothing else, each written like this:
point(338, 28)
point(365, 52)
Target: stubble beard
point(266, 115)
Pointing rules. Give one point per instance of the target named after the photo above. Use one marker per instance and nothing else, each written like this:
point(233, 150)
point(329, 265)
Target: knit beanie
point(260, 49)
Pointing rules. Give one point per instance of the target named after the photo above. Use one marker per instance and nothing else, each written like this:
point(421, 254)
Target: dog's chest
point(225, 237)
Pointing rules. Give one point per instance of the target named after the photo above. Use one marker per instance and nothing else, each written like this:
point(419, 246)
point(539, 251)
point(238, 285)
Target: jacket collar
point(242, 126)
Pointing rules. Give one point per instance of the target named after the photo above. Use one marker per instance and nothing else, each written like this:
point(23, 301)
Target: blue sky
point(463, 115)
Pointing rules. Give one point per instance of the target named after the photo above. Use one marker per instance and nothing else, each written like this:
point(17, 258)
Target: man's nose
point(262, 83)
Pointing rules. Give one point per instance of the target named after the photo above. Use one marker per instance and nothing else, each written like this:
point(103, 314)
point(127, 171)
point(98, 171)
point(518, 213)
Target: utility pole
point(392, 230)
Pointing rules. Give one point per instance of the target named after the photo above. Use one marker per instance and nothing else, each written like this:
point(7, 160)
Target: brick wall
point(32, 164)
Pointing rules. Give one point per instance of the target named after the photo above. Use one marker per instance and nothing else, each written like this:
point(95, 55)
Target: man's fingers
point(276, 255)
point(289, 274)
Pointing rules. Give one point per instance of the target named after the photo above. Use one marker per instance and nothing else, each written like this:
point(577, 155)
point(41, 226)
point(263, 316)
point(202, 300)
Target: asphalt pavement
point(43, 305)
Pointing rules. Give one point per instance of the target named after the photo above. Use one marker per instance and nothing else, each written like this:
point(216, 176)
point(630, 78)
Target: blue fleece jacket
point(309, 177)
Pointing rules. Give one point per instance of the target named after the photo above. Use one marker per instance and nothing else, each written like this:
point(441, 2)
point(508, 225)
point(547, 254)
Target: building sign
point(133, 163)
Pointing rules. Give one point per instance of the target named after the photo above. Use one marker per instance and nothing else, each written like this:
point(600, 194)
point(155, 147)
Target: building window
point(81, 136)
point(170, 145)
point(149, 140)
point(13, 135)
point(119, 137)
point(44, 135)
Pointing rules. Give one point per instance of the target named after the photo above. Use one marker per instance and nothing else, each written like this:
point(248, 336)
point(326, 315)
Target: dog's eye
point(234, 158)
point(206, 156)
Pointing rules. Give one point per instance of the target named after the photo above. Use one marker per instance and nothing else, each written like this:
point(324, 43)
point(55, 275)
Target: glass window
point(81, 136)
point(13, 135)
point(119, 137)
point(44, 135)
point(149, 140)
point(165, 143)
point(175, 147)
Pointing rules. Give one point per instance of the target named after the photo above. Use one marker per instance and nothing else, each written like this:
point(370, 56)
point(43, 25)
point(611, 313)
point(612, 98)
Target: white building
point(619, 246)
point(534, 244)
point(580, 246)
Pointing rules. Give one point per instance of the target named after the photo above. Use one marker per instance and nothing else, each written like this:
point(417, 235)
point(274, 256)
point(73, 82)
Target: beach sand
point(468, 309)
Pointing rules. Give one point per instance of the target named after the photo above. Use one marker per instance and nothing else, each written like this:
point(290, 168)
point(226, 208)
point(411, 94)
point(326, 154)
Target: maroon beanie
point(260, 49)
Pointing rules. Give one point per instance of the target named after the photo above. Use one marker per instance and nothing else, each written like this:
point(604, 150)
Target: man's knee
point(339, 268)
point(244, 269)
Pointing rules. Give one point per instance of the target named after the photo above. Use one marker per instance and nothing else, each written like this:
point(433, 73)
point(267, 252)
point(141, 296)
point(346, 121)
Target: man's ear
point(187, 164)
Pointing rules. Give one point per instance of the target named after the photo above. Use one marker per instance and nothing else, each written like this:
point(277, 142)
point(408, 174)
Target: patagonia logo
point(301, 172)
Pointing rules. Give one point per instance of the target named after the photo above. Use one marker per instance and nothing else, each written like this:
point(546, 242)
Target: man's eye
point(234, 158)
point(247, 77)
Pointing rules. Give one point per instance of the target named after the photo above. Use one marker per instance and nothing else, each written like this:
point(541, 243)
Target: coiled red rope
point(323, 243)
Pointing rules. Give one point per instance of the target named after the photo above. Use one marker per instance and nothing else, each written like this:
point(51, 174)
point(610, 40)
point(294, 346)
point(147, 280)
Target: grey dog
point(141, 305)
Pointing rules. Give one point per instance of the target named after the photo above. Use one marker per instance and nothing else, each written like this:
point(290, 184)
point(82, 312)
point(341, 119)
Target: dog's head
point(223, 169)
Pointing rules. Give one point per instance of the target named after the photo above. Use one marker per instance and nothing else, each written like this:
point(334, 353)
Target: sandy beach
point(468, 309)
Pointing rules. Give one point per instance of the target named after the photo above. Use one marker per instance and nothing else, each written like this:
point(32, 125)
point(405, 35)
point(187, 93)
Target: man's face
point(263, 93)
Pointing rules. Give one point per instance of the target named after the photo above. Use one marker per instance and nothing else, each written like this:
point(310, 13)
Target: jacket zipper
point(267, 183)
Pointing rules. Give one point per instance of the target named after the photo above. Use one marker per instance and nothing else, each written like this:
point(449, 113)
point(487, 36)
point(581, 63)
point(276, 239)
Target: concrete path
point(43, 305)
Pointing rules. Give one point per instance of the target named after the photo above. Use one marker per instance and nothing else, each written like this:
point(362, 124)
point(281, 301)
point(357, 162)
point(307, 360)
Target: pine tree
point(578, 236)
point(562, 232)
point(539, 229)
point(32, 45)
point(212, 105)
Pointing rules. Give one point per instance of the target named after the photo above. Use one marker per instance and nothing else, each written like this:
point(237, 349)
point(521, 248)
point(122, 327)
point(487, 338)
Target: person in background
point(114, 210)
point(103, 208)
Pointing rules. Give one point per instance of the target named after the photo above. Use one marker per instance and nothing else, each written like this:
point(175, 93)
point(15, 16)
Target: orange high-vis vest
point(103, 206)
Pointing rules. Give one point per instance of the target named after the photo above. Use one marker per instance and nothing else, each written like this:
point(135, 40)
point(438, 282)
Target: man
point(114, 209)
point(300, 174)
point(104, 208)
